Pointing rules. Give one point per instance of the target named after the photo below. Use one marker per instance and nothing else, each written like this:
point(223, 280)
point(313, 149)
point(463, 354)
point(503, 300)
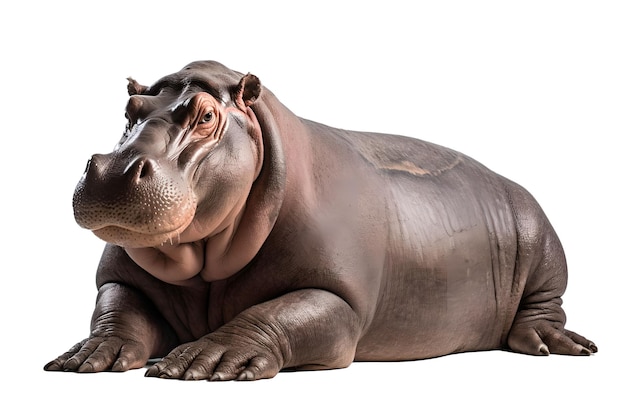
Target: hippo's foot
point(209, 358)
point(542, 337)
point(98, 354)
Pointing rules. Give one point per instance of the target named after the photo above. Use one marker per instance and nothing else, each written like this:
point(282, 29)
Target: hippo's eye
point(207, 117)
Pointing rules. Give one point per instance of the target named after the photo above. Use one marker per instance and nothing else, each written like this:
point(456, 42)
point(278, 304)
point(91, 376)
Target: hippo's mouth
point(129, 238)
point(148, 215)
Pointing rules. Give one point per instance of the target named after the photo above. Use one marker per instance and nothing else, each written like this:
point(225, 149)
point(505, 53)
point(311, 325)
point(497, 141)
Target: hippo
point(243, 240)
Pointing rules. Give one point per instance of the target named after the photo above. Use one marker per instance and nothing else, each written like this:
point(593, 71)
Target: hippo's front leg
point(126, 331)
point(311, 329)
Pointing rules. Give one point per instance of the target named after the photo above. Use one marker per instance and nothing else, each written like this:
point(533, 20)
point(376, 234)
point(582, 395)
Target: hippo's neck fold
point(229, 252)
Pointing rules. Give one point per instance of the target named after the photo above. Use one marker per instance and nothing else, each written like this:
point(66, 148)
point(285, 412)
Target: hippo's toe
point(541, 338)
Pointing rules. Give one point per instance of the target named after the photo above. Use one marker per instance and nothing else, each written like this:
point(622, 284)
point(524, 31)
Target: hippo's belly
point(449, 267)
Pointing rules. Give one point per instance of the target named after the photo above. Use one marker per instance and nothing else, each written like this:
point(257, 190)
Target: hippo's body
point(249, 240)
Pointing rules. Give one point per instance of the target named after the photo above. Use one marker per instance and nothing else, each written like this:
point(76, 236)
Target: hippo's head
point(185, 164)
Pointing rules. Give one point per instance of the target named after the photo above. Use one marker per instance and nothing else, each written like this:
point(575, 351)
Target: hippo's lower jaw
point(127, 238)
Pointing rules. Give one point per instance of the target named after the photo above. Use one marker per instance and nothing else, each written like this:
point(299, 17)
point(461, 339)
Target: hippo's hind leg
point(539, 324)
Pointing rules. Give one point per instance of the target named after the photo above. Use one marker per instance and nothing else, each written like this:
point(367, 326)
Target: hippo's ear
point(134, 87)
point(247, 91)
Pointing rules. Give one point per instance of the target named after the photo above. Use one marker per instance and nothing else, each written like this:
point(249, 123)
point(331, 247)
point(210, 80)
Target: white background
point(536, 90)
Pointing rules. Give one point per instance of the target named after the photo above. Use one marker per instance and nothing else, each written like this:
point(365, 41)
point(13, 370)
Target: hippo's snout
point(132, 201)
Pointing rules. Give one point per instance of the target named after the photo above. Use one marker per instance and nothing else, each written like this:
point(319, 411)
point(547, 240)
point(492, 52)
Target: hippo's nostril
point(144, 172)
point(95, 166)
point(142, 169)
point(87, 167)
